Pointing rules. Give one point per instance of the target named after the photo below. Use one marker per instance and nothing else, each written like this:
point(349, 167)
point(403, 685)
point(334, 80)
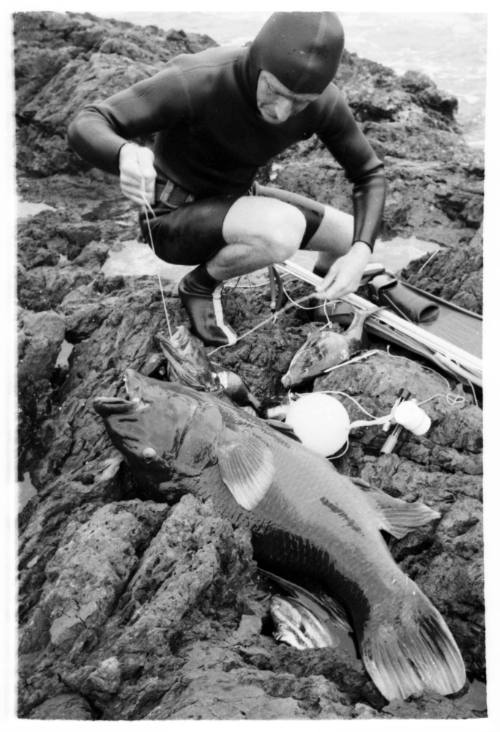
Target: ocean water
point(449, 47)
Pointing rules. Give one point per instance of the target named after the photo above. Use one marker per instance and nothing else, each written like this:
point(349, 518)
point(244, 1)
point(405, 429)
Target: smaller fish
point(186, 360)
point(308, 620)
point(187, 363)
point(324, 349)
point(297, 626)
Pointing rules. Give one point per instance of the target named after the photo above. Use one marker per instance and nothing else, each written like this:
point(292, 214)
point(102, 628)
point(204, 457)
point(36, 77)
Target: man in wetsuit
point(219, 115)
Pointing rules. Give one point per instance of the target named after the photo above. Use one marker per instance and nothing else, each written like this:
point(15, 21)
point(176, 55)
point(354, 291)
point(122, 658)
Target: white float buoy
point(320, 422)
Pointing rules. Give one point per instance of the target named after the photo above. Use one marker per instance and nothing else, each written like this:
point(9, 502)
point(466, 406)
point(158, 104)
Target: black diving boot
point(200, 294)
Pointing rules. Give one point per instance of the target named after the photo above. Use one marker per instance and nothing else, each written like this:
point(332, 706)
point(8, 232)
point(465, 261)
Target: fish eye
point(149, 453)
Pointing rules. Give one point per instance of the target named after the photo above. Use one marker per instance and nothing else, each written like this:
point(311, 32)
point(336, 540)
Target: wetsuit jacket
point(211, 139)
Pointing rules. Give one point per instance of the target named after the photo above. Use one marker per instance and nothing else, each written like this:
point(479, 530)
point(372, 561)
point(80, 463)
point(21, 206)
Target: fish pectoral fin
point(247, 468)
point(397, 517)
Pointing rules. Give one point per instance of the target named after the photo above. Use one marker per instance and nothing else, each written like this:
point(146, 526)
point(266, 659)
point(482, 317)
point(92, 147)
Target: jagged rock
point(63, 706)
point(138, 601)
point(435, 183)
point(40, 338)
point(455, 276)
point(88, 58)
point(443, 468)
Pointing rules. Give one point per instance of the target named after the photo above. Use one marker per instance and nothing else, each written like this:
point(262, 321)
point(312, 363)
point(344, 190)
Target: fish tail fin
point(408, 648)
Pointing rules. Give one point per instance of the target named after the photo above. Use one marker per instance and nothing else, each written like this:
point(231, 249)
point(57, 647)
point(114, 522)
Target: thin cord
point(147, 208)
point(336, 455)
point(297, 302)
point(361, 357)
point(428, 260)
point(451, 399)
point(272, 318)
point(348, 396)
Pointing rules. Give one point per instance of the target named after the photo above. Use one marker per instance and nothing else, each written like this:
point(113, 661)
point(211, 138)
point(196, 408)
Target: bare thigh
point(334, 231)
point(262, 221)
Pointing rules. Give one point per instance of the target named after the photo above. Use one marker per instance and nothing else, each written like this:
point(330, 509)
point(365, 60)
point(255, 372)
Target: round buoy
point(320, 422)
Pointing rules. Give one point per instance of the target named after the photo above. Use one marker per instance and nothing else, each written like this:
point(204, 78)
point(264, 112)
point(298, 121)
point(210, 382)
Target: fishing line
point(428, 260)
point(338, 455)
point(324, 305)
point(146, 209)
point(297, 302)
point(473, 392)
point(354, 359)
point(270, 318)
point(348, 396)
point(451, 399)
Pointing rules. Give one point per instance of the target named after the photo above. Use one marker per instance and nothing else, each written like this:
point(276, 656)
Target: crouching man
point(218, 116)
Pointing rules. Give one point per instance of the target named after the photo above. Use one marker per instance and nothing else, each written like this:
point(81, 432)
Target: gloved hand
point(344, 276)
point(137, 173)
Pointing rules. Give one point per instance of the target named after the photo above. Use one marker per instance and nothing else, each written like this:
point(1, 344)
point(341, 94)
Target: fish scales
point(306, 519)
point(293, 509)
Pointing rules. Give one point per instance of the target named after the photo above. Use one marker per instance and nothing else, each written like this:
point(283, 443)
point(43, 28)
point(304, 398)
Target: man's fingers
point(132, 191)
point(137, 173)
point(147, 172)
point(334, 285)
point(328, 279)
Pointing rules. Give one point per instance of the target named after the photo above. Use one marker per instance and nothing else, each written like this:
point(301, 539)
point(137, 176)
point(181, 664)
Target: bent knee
point(274, 225)
point(286, 235)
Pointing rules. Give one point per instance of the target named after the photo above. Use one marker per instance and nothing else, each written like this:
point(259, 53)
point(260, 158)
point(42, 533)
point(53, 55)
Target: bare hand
point(137, 173)
point(344, 276)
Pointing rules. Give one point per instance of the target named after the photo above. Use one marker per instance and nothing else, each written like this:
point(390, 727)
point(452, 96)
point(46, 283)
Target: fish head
point(187, 362)
point(161, 428)
point(321, 350)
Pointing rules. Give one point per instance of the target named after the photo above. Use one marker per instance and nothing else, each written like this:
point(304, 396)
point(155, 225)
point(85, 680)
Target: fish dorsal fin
point(247, 467)
point(397, 517)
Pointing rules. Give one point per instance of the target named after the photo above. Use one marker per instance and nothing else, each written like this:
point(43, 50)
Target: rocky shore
point(139, 603)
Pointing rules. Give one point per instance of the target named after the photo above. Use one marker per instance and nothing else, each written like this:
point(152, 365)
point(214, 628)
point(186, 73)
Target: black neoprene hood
point(302, 50)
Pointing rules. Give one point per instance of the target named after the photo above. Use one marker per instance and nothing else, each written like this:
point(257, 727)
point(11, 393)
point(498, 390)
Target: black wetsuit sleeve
point(342, 136)
point(99, 130)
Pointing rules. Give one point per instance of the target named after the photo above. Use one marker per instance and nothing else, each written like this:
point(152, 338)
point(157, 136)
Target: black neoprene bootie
point(200, 294)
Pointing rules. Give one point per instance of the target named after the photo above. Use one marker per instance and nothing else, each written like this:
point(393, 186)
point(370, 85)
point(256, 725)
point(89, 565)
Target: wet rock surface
point(455, 275)
point(138, 601)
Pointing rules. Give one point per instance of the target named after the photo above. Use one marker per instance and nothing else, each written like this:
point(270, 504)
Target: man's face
point(275, 102)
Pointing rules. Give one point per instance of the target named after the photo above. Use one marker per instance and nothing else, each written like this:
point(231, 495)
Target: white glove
point(137, 173)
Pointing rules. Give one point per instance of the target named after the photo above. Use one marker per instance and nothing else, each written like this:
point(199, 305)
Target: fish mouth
point(131, 402)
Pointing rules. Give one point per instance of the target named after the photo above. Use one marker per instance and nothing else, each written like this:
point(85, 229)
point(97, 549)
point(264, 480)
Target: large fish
point(307, 521)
